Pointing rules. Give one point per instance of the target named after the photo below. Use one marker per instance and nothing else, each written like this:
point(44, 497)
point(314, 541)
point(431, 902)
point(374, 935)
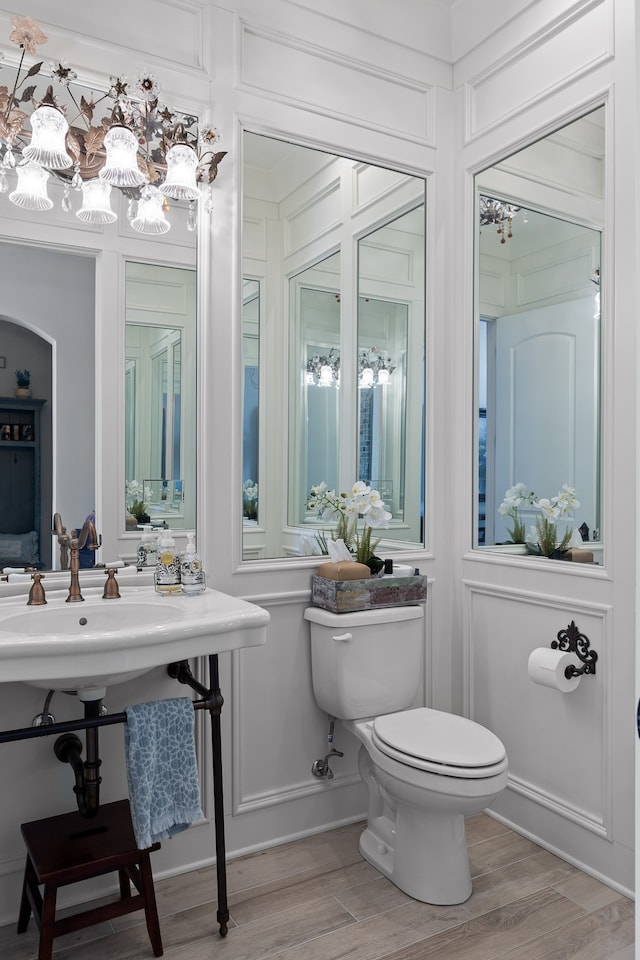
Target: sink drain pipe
point(68, 749)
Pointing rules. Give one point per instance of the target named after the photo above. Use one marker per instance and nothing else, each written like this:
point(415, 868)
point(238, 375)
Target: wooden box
point(346, 596)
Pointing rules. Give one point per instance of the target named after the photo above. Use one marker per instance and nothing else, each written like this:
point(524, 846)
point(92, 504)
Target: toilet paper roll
point(547, 666)
point(402, 570)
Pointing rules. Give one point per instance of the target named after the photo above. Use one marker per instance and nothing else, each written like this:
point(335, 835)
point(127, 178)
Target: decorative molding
point(403, 262)
point(316, 217)
point(559, 806)
point(293, 792)
point(378, 98)
point(492, 290)
point(390, 183)
point(574, 44)
point(565, 276)
point(254, 237)
point(599, 823)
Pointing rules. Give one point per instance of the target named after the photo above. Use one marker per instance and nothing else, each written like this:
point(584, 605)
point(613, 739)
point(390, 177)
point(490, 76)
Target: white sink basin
point(75, 646)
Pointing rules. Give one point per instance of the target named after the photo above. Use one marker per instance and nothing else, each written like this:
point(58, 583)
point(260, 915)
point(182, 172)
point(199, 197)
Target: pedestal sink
point(74, 646)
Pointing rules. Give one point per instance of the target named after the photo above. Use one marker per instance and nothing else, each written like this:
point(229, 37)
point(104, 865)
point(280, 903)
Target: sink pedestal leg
point(218, 802)
point(212, 701)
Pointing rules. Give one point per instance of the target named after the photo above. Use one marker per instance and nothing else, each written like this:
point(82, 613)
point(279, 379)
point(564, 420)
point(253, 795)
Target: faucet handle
point(111, 590)
point(36, 593)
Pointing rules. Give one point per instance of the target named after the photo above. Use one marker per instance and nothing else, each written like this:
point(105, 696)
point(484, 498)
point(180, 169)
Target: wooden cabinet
point(20, 482)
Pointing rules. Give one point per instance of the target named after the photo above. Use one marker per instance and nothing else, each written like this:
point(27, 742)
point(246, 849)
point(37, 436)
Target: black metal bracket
point(575, 642)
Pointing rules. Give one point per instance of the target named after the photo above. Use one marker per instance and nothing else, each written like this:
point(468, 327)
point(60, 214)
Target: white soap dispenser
point(147, 549)
point(191, 572)
point(167, 565)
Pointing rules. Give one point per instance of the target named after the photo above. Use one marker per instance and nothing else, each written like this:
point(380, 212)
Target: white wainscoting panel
point(278, 730)
point(299, 72)
point(315, 218)
point(562, 51)
point(371, 184)
point(558, 744)
point(554, 280)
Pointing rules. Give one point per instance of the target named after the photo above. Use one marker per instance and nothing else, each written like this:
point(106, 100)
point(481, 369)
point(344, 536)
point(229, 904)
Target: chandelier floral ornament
point(124, 138)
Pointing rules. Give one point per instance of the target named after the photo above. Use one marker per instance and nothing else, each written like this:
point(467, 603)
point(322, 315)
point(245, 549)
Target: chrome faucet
point(87, 538)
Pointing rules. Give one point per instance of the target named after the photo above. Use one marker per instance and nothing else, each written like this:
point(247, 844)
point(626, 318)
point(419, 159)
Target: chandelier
point(374, 368)
point(94, 143)
point(323, 370)
point(500, 214)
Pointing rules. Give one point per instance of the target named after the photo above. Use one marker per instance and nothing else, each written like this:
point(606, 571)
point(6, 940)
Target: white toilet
point(425, 770)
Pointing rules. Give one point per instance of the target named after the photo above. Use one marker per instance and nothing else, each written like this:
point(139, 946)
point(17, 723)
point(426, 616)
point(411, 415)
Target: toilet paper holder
point(572, 641)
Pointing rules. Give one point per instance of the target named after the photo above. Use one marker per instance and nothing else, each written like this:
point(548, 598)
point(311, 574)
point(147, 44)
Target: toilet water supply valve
point(320, 768)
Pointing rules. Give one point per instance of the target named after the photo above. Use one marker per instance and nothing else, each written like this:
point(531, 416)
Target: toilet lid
point(439, 738)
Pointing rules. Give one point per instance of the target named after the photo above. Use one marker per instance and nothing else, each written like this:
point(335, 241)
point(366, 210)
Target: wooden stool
point(69, 848)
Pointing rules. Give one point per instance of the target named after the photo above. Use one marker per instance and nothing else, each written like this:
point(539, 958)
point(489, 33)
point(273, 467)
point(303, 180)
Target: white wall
point(571, 779)
point(384, 94)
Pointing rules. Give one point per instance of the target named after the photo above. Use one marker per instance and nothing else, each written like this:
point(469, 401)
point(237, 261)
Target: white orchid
point(377, 516)
point(515, 498)
point(546, 531)
point(364, 503)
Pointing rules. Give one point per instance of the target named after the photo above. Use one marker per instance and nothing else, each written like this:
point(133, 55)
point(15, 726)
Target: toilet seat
point(441, 743)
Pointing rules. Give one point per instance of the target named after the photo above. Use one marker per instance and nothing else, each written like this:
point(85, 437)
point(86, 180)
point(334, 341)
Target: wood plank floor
point(316, 899)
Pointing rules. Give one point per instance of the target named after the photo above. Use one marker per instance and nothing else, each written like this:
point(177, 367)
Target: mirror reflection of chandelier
point(374, 368)
point(323, 370)
point(500, 214)
point(123, 138)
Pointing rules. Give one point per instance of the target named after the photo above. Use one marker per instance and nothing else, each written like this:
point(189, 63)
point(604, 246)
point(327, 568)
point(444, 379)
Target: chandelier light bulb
point(150, 216)
point(383, 376)
point(325, 378)
point(180, 182)
point(96, 202)
point(366, 377)
point(49, 129)
point(121, 166)
point(31, 190)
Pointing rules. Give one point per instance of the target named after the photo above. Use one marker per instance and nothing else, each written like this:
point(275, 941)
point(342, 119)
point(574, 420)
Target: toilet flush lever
point(343, 636)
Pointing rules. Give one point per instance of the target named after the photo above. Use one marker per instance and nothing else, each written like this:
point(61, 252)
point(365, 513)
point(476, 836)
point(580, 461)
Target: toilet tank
point(367, 663)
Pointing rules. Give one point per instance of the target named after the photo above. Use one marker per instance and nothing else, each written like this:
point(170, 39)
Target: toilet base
point(425, 856)
point(415, 833)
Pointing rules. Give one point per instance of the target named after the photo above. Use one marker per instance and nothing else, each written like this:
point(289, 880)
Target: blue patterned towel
point(164, 791)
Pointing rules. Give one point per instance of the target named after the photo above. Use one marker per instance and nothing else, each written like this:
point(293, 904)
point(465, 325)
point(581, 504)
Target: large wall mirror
point(540, 217)
point(65, 282)
point(334, 324)
point(160, 395)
